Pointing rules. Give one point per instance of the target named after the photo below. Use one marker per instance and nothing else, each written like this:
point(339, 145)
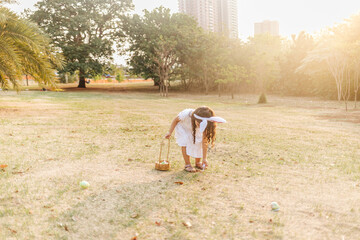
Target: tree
point(292, 82)
point(85, 30)
point(24, 49)
point(353, 37)
point(210, 57)
point(156, 40)
point(335, 49)
point(232, 75)
point(356, 68)
point(188, 69)
point(264, 60)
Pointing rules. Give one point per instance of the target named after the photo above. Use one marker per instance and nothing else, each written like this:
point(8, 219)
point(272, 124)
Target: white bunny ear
point(217, 119)
point(203, 125)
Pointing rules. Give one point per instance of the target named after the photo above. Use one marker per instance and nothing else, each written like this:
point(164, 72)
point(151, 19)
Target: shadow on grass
point(122, 207)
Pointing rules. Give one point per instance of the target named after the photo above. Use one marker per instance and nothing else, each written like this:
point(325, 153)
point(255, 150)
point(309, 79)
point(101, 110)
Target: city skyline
point(213, 15)
point(294, 16)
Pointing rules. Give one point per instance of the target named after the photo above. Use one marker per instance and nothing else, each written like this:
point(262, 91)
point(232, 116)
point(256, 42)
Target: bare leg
point(188, 166)
point(186, 157)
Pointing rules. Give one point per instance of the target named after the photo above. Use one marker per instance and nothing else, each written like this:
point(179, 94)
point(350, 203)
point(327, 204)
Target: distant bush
point(262, 99)
point(119, 77)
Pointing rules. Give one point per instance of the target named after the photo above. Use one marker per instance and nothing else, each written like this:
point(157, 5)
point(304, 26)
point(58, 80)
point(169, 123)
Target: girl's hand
point(204, 164)
point(168, 135)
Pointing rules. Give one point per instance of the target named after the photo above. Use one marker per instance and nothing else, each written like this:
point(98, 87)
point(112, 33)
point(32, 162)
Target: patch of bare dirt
point(350, 116)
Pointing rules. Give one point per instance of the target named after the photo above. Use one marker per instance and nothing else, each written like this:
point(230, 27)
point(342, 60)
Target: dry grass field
point(302, 153)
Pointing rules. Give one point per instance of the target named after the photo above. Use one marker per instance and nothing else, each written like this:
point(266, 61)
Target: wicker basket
point(163, 165)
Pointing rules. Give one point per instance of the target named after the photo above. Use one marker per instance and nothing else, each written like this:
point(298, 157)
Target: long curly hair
point(210, 131)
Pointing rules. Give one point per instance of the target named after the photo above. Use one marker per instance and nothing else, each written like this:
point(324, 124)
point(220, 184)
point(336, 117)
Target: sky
point(293, 16)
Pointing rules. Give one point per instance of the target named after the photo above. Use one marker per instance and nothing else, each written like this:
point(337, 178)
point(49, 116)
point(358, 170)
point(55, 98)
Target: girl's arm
point(172, 127)
point(204, 146)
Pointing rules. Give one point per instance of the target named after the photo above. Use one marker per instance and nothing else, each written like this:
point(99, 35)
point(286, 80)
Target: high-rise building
point(271, 27)
point(213, 15)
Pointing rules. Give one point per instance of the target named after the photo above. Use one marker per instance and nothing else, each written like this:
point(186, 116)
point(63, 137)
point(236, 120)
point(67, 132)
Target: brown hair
point(210, 130)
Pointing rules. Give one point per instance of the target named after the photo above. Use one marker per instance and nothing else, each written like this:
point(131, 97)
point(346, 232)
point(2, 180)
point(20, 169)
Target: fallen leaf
point(180, 183)
point(158, 223)
point(12, 230)
point(251, 221)
point(3, 166)
point(270, 220)
point(66, 228)
point(134, 215)
point(187, 224)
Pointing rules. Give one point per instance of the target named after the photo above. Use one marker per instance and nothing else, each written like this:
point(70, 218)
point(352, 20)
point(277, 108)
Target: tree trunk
point(82, 83)
point(346, 108)
point(206, 87)
point(206, 83)
point(219, 93)
point(183, 79)
point(355, 98)
point(232, 90)
point(27, 80)
point(161, 88)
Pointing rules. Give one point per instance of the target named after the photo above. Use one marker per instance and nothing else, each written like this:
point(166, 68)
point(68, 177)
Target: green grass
point(284, 151)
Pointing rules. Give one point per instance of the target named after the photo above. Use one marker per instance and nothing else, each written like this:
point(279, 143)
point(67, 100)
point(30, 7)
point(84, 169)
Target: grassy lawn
point(302, 153)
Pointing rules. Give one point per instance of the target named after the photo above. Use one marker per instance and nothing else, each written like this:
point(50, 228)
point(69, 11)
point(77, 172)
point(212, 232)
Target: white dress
point(184, 136)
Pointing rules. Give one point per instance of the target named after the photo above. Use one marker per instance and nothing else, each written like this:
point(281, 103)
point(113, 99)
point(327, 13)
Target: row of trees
point(168, 47)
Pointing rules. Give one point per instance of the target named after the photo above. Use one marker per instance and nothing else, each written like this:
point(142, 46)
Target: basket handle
point(161, 144)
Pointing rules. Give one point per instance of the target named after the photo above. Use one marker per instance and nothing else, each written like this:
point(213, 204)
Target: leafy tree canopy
point(156, 41)
point(85, 30)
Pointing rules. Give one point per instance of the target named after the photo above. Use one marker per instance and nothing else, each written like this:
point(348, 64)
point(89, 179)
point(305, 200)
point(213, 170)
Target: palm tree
point(24, 49)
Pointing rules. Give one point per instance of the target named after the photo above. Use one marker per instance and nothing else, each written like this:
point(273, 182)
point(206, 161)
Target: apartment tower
point(271, 27)
point(213, 15)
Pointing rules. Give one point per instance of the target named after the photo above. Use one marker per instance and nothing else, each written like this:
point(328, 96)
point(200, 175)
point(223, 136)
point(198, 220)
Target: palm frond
point(24, 49)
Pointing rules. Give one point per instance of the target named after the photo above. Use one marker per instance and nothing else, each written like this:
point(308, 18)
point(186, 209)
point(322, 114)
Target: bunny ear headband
point(204, 122)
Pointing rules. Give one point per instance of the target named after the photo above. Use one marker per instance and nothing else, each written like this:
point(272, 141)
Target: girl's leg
point(186, 157)
point(197, 161)
point(188, 166)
